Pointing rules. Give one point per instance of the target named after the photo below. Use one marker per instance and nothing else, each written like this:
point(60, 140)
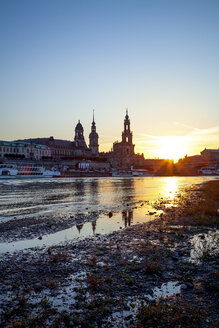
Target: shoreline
point(107, 175)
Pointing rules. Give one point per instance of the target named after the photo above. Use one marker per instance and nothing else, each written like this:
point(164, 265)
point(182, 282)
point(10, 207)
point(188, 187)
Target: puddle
point(204, 245)
point(61, 297)
point(102, 225)
point(166, 289)
point(122, 318)
point(64, 297)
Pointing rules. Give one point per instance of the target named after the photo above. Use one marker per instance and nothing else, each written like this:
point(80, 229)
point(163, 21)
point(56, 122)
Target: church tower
point(79, 136)
point(93, 138)
point(126, 145)
point(127, 134)
point(123, 152)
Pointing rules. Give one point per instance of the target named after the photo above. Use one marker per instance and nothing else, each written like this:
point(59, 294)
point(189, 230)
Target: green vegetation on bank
point(206, 207)
point(174, 313)
point(197, 205)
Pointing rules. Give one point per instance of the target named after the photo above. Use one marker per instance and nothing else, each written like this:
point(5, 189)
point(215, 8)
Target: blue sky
point(60, 59)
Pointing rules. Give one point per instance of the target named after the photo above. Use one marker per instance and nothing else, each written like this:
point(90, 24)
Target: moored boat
point(122, 174)
point(132, 173)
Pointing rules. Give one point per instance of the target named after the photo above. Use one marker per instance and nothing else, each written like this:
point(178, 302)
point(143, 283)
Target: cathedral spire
point(93, 126)
point(127, 135)
point(93, 137)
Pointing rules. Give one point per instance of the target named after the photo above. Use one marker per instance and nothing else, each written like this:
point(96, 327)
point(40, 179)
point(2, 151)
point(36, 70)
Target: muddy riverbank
point(116, 280)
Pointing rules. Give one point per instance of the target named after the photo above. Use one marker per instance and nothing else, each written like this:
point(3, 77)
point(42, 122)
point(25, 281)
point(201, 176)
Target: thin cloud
point(195, 132)
point(198, 131)
point(186, 126)
point(153, 138)
point(149, 136)
point(212, 130)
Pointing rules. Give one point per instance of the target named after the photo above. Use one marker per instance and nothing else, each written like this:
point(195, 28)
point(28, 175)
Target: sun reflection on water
point(171, 187)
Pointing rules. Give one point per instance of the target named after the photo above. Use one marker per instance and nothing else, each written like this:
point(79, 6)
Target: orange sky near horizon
point(190, 141)
point(173, 147)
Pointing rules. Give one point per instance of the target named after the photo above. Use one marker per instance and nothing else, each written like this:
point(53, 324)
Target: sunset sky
point(59, 59)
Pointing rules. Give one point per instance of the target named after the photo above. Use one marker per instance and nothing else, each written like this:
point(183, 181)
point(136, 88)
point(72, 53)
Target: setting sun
point(172, 147)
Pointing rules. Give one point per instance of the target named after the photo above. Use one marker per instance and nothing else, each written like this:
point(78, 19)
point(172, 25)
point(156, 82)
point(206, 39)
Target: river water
point(66, 197)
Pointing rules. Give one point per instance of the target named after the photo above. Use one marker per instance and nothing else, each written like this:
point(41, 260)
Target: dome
point(79, 127)
point(93, 135)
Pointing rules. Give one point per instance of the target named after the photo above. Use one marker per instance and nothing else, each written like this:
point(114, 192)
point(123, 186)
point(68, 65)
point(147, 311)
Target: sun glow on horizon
point(172, 147)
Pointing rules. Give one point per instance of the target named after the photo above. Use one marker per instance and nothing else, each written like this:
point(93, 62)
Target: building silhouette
point(123, 155)
point(93, 138)
point(79, 143)
point(24, 150)
point(65, 149)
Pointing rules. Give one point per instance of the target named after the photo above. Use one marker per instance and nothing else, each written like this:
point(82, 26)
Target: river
point(67, 197)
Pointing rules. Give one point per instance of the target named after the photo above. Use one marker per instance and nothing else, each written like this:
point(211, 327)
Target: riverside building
point(123, 157)
point(67, 150)
point(23, 150)
point(123, 152)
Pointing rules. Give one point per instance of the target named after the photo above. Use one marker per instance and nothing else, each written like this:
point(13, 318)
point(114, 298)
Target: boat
point(141, 173)
point(8, 171)
point(209, 170)
point(133, 173)
point(122, 174)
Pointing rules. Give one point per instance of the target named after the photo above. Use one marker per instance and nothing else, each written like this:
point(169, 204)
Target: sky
point(60, 59)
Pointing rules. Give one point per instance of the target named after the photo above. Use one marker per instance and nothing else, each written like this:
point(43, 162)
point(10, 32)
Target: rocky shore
point(163, 273)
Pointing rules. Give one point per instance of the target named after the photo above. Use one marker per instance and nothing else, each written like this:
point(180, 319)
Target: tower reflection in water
point(123, 193)
point(93, 224)
point(91, 190)
point(127, 217)
point(79, 227)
